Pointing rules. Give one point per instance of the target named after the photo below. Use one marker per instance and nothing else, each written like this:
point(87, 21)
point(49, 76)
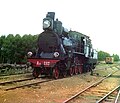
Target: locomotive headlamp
point(56, 54)
point(29, 54)
point(46, 24)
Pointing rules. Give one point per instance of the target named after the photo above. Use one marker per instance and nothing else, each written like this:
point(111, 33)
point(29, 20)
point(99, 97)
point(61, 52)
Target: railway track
point(14, 76)
point(97, 71)
point(13, 84)
point(28, 84)
point(112, 96)
point(31, 83)
point(13, 81)
point(92, 93)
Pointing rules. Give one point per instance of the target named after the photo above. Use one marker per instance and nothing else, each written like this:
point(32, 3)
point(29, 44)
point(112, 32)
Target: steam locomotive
point(61, 52)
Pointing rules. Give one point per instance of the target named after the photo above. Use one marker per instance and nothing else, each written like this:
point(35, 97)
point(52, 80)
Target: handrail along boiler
point(61, 52)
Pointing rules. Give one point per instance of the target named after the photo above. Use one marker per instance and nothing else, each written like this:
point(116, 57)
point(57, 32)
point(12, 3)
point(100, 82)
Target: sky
point(99, 19)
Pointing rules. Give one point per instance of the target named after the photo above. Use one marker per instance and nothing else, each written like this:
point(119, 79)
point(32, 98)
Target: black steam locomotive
point(61, 52)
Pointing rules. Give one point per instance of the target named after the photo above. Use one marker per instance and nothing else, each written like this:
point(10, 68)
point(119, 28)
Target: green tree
point(13, 49)
point(2, 39)
point(102, 55)
point(29, 43)
point(8, 48)
point(116, 57)
point(17, 48)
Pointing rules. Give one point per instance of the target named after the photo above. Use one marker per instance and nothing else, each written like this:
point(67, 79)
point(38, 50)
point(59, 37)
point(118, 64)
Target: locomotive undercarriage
point(75, 65)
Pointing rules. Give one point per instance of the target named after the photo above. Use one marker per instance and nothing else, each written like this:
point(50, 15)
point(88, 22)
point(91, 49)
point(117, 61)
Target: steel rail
point(99, 101)
point(11, 88)
point(13, 81)
point(116, 99)
point(94, 84)
point(14, 75)
point(19, 80)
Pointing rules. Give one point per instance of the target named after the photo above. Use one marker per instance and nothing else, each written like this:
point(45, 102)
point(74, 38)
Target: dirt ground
point(54, 91)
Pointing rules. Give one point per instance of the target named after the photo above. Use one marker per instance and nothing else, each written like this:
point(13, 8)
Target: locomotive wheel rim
point(80, 70)
point(76, 70)
point(71, 71)
point(56, 73)
point(35, 74)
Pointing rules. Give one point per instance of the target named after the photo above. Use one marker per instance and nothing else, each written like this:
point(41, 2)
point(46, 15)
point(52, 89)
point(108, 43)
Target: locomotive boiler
point(61, 52)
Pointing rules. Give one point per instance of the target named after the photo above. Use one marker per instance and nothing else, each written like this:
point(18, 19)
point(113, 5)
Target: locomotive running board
point(79, 53)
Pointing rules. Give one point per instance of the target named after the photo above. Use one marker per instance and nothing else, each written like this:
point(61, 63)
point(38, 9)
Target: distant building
point(109, 60)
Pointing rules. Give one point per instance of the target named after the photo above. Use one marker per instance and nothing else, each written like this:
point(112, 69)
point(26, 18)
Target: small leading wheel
point(56, 72)
point(36, 72)
point(71, 71)
point(76, 70)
